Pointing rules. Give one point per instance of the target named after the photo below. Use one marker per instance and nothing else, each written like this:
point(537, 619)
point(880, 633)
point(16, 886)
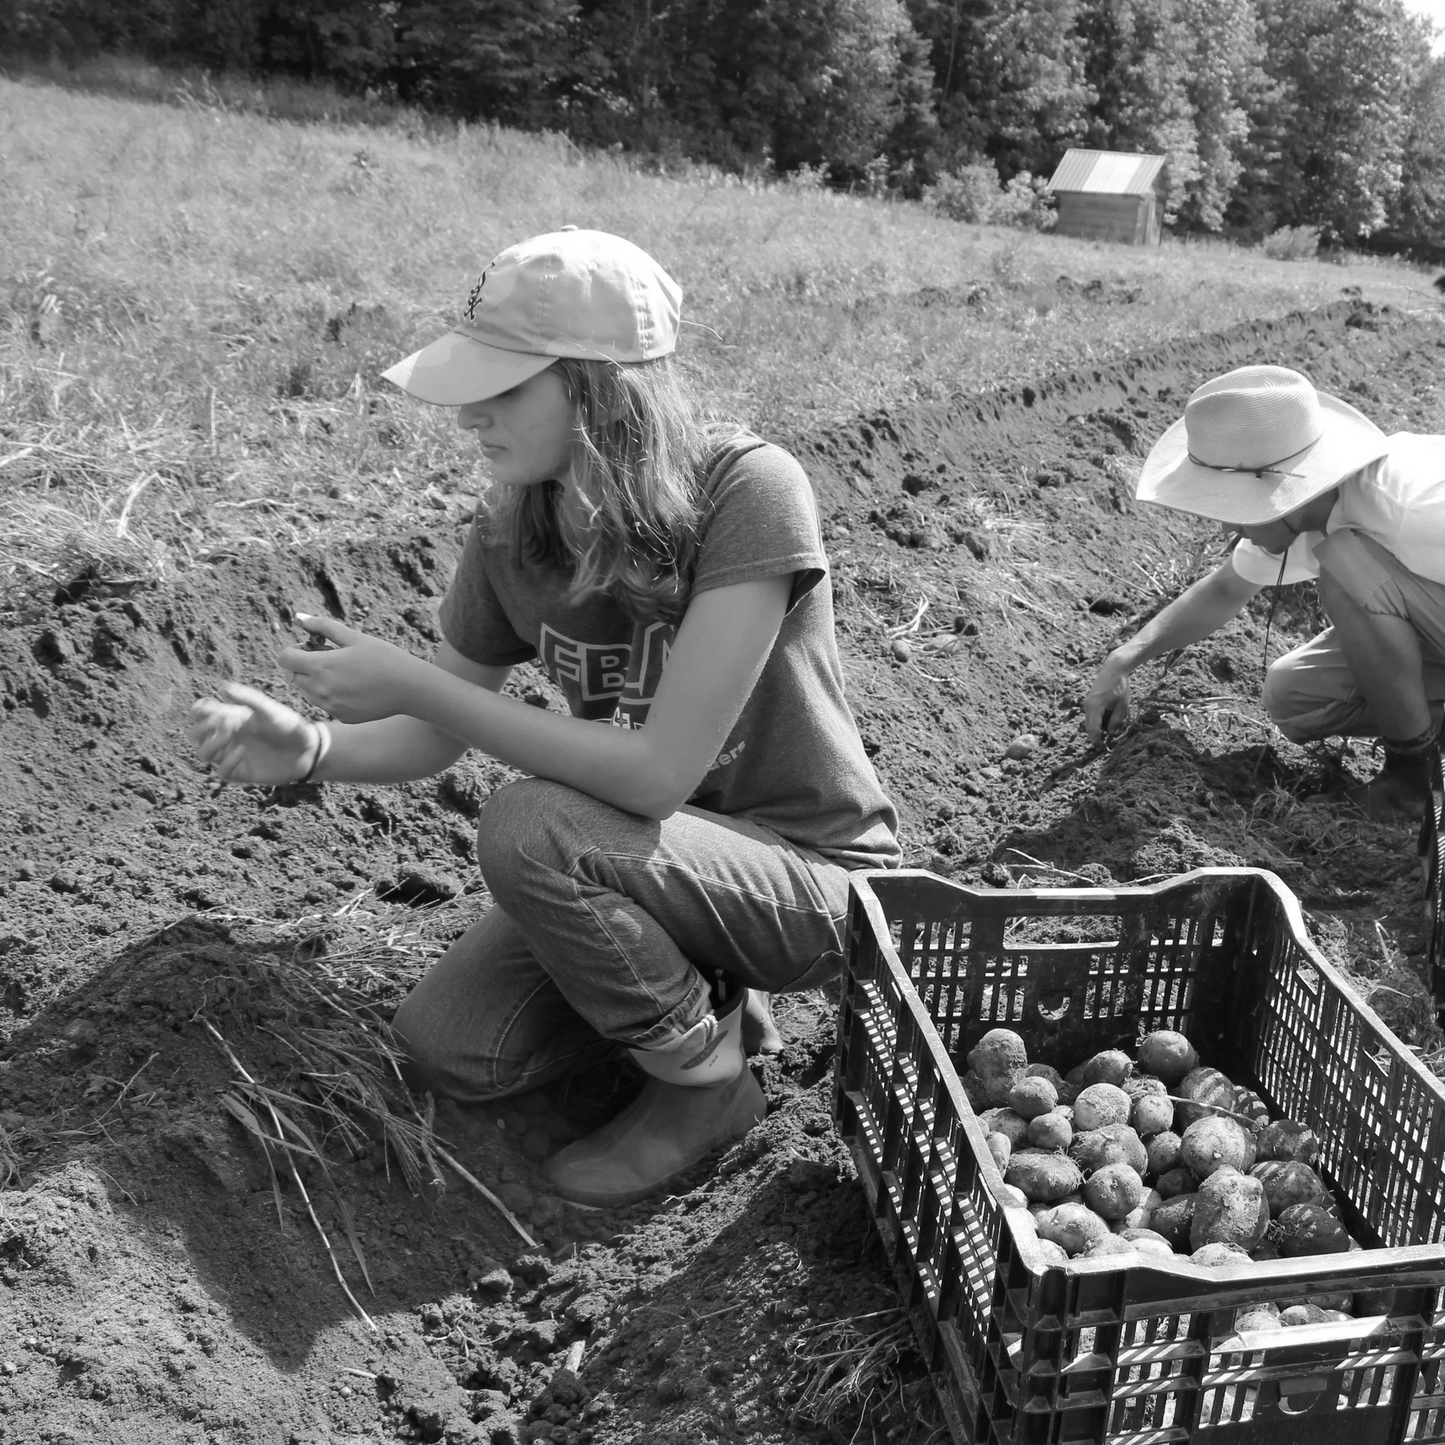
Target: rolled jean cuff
point(673, 1024)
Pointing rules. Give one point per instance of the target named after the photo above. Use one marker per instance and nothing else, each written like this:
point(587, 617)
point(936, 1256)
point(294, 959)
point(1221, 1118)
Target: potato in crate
point(1039, 1325)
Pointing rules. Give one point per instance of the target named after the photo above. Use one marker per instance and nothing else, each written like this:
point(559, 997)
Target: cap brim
point(456, 369)
point(1348, 442)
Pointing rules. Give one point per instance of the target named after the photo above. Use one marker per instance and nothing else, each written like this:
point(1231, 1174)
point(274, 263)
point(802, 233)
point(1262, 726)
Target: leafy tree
point(1418, 224)
point(1223, 78)
point(810, 82)
point(1009, 78)
point(1137, 58)
point(1328, 142)
point(507, 60)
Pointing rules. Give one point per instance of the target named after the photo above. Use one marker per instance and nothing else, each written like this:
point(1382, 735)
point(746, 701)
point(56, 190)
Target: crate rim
point(1424, 1258)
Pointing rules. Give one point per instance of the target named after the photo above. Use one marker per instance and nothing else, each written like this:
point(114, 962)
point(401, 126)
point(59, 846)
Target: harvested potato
point(1073, 1227)
point(1168, 1054)
point(998, 1058)
point(1266, 1306)
point(1307, 1314)
point(1113, 1144)
point(1340, 1300)
point(1266, 1249)
point(1113, 1191)
point(1231, 1209)
point(1248, 1103)
point(1066, 1091)
point(1000, 1146)
point(1286, 1139)
point(1219, 1255)
point(1138, 1217)
point(1148, 1241)
point(1051, 1252)
point(1309, 1229)
point(1044, 1176)
point(1109, 1244)
point(1163, 1152)
point(1137, 1085)
point(1174, 1219)
point(1031, 1097)
point(1014, 1198)
point(1100, 1104)
point(1286, 1182)
point(1151, 1114)
point(975, 1090)
point(1109, 1066)
point(1051, 1131)
point(1258, 1317)
point(1199, 1088)
point(1003, 1120)
point(1209, 1144)
point(1179, 1180)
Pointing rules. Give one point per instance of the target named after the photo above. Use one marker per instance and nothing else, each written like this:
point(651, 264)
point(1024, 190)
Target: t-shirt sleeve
point(1256, 565)
point(763, 523)
point(472, 617)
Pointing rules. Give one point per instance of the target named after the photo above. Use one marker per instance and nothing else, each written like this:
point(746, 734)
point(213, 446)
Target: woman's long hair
point(638, 464)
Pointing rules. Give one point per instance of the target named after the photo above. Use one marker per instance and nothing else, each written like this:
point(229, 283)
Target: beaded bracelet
point(323, 746)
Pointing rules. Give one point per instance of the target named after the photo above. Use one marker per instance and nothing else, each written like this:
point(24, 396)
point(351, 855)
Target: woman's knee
point(521, 830)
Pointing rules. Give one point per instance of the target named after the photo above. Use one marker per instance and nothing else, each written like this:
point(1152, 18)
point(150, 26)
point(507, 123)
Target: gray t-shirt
point(794, 761)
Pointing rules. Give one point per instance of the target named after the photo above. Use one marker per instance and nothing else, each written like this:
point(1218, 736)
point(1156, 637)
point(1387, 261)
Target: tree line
point(1271, 113)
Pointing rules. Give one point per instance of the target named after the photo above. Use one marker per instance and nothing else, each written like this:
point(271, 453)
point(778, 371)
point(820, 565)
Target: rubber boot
point(1388, 799)
point(673, 1122)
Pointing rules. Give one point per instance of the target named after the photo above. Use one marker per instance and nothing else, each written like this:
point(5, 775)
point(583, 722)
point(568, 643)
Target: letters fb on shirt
point(599, 680)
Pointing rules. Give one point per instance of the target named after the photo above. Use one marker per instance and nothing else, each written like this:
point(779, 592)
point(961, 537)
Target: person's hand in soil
point(1106, 704)
point(251, 738)
point(359, 679)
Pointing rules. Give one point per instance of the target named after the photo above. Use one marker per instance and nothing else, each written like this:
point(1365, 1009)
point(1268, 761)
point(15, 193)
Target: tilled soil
point(156, 1286)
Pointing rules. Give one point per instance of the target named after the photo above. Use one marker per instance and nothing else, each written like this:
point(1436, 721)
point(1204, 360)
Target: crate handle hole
point(1054, 1004)
point(1299, 1396)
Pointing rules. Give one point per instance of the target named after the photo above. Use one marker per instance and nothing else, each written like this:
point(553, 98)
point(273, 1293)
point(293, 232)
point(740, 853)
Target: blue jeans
point(1310, 693)
point(605, 929)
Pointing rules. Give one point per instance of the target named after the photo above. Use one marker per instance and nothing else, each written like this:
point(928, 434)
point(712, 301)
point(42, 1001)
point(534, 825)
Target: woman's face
point(526, 434)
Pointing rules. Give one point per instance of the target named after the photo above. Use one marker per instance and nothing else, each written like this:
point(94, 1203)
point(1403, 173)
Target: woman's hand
point(1106, 704)
point(251, 738)
point(360, 679)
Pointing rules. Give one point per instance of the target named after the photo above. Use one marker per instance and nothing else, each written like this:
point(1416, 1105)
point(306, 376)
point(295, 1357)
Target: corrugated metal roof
point(1112, 173)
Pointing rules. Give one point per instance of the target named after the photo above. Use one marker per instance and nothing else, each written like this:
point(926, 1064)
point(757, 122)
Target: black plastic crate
point(1022, 1351)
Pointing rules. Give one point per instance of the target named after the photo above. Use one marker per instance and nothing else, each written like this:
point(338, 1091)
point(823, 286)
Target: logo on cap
point(469, 311)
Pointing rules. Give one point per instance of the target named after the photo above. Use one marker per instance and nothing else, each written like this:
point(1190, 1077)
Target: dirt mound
point(986, 555)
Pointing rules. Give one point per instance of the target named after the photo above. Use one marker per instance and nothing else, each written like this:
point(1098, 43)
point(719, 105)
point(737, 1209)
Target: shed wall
point(1130, 219)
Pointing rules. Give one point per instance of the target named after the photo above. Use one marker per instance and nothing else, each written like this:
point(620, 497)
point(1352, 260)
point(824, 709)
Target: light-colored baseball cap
point(583, 294)
point(1255, 444)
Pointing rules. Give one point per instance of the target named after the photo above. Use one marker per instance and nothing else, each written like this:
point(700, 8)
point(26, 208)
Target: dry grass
point(206, 297)
point(310, 1002)
point(841, 1371)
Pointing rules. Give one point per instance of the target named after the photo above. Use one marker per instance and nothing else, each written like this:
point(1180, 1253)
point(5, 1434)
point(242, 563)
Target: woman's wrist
point(321, 745)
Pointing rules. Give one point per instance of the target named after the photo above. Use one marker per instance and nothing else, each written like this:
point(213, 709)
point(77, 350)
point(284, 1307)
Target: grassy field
point(195, 304)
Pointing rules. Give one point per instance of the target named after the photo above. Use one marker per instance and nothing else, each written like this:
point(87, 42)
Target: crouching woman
point(668, 574)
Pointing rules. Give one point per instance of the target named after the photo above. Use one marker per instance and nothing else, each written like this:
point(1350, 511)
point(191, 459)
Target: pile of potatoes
point(1157, 1156)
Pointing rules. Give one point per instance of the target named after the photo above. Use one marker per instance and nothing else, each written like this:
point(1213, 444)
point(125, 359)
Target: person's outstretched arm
point(410, 717)
point(1194, 614)
point(251, 738)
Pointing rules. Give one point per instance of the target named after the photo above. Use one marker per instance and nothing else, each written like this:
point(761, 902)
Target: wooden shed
point(1110, 196)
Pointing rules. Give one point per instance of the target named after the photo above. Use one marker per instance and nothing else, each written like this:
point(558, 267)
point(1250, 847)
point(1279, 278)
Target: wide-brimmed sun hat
point(583, 294)
point(1255, 444)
